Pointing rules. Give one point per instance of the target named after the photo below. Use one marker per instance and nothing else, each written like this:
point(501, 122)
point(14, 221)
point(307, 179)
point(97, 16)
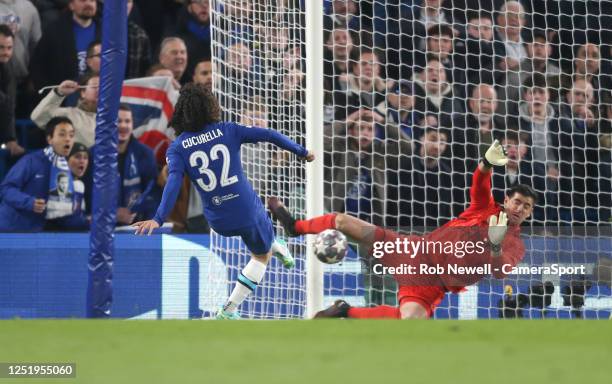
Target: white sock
point(248, 279)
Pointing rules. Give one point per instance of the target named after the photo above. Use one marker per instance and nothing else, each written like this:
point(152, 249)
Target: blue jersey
point(211, 158)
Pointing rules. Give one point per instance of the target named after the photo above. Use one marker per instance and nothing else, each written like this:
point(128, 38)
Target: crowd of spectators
point(415, 90)
point(451, 77)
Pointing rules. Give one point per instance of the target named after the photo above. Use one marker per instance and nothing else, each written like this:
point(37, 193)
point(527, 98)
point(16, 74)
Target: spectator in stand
point(539, 120)
point(578, 147)
point(193, 27)
point(480, 60)
point(510, 53)
point(8, 136)
point(239, 80)
point(440, 43)
point(78, 160)
point(538, 60)
point(604, 182)
point(364, 85)
point(22, 17)
point(61, 52)
point(94, 57)
point(160, 70)
point(137, 174)
point(139, 48)
point(509, 47)
point(288, 108)
point(24, 193)
point(49, 11)
point(422, 194)
point(345, 14)
point(588, 64)
point(203, 73)
point(338, 47)
point(481, 128)
point(398, 110)
point(435, 94)
point(426, 15)
point(358, 165)
point(539, 52)
point(83, 115)
point(173, 56)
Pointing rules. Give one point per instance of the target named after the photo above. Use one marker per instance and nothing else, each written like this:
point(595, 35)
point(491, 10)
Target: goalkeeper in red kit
point(496, 226)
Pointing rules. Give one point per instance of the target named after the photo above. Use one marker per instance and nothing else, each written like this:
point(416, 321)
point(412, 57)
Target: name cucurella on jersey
point(201, 139)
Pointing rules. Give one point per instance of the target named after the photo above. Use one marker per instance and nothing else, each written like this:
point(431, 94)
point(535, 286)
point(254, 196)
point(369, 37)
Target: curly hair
point(196, 107)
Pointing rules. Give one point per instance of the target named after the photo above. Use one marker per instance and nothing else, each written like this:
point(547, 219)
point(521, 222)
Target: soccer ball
point(331, 246)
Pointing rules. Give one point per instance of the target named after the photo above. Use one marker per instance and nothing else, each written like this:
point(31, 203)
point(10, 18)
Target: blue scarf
point(61, 186)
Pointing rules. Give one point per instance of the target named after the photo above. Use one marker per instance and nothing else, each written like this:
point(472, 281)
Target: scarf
point(61, 186)
point(130, 184)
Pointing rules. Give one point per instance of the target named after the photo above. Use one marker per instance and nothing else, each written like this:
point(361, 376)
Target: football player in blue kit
point(208, 150)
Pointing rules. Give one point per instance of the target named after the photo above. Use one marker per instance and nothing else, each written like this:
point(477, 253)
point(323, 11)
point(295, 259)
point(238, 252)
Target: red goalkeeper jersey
point(470, 227)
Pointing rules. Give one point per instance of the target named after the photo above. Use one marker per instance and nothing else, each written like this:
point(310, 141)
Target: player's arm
point(176, 168)
point(256, 135)
point(480, 192)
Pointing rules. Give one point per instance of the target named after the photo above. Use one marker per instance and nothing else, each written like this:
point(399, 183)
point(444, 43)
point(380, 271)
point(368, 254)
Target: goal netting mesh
point(258, 77)
point(414, 94)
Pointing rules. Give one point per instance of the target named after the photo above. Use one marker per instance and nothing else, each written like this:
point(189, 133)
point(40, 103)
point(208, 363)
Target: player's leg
point(248, 279)
point(259, 240)
point(419, 302)
point(342, 309)
point(413, 310)
point(357, 229)
point(416, 302)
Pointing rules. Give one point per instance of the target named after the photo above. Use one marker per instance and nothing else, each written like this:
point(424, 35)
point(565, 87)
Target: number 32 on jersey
point(201, 160)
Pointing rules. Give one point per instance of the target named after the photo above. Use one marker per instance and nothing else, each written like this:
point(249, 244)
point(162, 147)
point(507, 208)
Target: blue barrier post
point(105, 189)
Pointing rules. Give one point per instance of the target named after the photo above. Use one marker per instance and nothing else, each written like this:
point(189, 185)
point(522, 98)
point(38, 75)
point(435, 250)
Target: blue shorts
point(258, 238)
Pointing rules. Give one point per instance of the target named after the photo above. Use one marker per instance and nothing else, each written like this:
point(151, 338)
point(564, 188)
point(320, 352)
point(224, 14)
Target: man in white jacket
point(83, 115)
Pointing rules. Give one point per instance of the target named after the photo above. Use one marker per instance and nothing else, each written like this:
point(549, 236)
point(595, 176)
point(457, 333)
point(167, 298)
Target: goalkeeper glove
point(495, 155)
point(498, 225)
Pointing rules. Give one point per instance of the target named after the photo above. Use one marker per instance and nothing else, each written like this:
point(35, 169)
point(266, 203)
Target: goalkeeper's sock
point(379, 312)
point(249, 278)
point(316, 224)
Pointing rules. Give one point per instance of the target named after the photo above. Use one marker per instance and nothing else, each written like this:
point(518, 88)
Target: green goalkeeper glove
point(495, 155)
point(498, 225)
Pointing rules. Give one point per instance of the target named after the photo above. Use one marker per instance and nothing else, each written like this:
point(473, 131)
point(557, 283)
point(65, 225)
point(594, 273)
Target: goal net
point(414, 93)
point(258, 76)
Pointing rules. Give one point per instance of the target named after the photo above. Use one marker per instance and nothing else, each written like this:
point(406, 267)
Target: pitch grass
point(338, 351)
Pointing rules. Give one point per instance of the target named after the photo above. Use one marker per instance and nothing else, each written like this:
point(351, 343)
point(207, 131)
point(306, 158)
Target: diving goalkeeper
point(496, 226)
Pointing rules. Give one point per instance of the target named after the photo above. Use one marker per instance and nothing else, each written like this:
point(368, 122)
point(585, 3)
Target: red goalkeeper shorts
point(427, 291)
point(427, 296)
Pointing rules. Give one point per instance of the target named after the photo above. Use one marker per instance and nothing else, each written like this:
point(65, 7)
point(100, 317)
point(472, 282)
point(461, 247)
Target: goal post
point(268, 72)
point(314, 142)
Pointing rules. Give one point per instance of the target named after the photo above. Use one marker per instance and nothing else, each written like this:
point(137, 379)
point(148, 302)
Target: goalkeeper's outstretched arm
point(480, 192)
